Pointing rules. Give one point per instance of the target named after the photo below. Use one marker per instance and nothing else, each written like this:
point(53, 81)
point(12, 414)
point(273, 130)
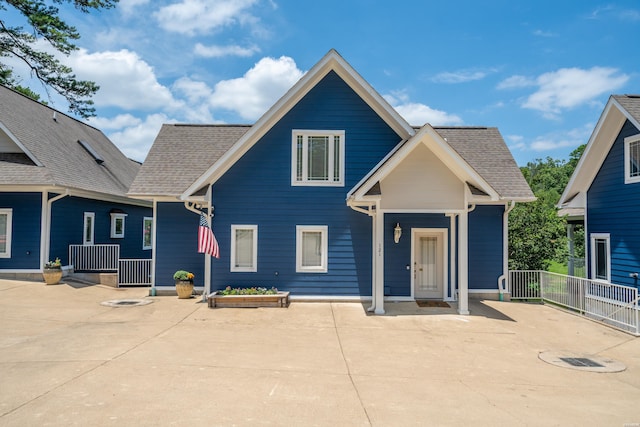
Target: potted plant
point(52, 272)
point(184, 283)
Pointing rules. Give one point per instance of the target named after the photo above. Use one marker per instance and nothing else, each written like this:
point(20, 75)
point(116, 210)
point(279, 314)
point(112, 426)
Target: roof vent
point(55, 118)
point(99, 160)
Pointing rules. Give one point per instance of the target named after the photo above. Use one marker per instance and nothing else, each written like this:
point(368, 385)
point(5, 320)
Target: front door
point(429, 264)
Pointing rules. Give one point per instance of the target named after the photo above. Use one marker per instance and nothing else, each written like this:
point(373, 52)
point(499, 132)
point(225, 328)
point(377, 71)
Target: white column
point(373, 261)
point(463, 263)
point(379, 258)
point(452, 254)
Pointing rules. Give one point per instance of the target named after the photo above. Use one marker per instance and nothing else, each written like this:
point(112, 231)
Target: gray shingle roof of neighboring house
point(53, 156)
point(180, 154)
point(631, 103)
point(485, 151)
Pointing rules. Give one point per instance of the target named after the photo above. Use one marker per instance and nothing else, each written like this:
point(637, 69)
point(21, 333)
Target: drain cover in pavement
point(126, 302)
point(581, 362)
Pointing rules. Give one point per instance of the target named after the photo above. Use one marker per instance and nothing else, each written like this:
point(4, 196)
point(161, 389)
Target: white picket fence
point(615, 305)
point(106, 258)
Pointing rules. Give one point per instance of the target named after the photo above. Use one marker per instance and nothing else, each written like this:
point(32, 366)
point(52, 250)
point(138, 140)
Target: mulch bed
point(432, 303)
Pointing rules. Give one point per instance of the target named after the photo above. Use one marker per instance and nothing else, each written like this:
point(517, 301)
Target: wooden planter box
point(281, 299)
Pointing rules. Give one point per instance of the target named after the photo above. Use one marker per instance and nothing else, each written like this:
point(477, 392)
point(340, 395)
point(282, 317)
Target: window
point(117, 225)
point(311, 248)
point(632, 159)
point(600, 257)
point(147, 224)
point(87, 236)
point(317, 158)
point(244, 248)
point(5, 232)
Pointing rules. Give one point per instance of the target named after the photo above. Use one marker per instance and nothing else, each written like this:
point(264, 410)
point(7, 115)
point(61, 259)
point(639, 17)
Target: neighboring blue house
point(605, 190)
point(62, 182)
point(331, 193)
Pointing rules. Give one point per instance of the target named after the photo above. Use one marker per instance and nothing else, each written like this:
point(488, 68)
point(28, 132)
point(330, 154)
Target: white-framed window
point(88, 227)
point(312, 248)
point(317, 158)
point(117, 225)
point(6, 219)
point(244, 248)
point(600, 256)
point(632, 159)
point(147, 230)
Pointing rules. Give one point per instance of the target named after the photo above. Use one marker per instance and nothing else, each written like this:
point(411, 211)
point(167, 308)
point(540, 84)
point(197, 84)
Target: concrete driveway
point(67, 360)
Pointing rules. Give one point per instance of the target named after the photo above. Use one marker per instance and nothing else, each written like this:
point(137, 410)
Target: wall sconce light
point(397, 232)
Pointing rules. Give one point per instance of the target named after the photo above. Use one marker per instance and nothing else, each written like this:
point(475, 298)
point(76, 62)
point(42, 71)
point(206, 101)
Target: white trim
point(114, 225)
point(254, 242)
point(305, 152)
point(332, 61)
point(442, 235)
point(87, 215)
point(144, 220)
point(628, 179)
point(9, 226)
point(324, 248)
point(607, 240)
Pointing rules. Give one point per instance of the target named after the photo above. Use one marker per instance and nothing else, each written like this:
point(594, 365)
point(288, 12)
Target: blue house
point(604, 191)
point(332, 194)
point(62, 183)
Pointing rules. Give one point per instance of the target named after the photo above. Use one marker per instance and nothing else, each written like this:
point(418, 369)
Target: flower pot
point(184, 288)
point(52, 276)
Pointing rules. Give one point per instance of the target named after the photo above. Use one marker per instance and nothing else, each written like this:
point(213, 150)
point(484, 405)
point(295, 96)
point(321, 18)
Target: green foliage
point(248, 291)
point(45, 24)
point(183, 275)
point(537, 235)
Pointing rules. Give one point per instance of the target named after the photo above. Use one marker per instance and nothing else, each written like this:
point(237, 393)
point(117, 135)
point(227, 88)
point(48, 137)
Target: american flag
point(207, 243)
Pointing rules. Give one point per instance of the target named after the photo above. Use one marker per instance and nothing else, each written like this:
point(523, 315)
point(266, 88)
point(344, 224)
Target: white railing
point(134, 272)
point(94, 257)
point(613, 304)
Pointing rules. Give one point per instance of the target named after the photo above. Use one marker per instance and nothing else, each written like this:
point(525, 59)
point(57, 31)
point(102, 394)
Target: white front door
point(429, 264)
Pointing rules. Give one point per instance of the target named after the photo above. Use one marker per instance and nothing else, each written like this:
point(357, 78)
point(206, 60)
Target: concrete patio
point(67, 360)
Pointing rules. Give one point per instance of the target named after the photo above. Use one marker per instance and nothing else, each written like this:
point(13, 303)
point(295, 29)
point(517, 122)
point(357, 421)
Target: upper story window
point(632, 159)
point(5, 232)
point(317, 158)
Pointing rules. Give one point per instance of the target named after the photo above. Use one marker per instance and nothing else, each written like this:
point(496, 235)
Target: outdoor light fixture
point(397, 232)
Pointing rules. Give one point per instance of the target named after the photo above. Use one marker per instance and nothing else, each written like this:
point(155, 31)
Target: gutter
point(505, 244)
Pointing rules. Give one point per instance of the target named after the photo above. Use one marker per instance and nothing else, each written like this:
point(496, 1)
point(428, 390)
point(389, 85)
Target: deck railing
point(134, 272)
point(615, 305)
point(103, 258)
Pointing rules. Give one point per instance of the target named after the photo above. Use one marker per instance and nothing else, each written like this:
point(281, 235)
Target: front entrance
point(429, 260)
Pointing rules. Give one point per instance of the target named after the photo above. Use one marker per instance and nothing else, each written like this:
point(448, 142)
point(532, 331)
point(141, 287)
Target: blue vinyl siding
point(67, 220)
point(25, 243)
point(397, 279)
point(485, 247)
point(257, 190)
point(614, 207)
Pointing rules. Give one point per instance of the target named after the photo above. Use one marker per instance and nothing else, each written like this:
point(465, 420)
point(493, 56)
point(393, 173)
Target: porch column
point(378, 296)
point(463, 263)
point(570, 237)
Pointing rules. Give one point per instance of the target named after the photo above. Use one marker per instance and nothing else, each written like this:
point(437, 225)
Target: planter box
point(281, 299)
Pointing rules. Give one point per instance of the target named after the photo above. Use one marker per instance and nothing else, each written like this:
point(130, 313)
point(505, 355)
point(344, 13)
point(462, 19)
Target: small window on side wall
point(6, 216)
point(88, 227)
point(147, 228)
point(244, 248)
point(117, 225)
point(632, 159)
point(311, 248)
point(600, 257)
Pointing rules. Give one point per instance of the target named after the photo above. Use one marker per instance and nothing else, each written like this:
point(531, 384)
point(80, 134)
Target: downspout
point(505, 246)
point(47, 226)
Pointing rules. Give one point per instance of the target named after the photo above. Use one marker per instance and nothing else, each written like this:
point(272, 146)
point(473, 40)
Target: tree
point(46, 24)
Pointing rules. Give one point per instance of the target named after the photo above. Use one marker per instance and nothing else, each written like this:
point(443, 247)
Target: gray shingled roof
point(486, 152)
point(631, 103)
point(54, 144)
point(180, 154)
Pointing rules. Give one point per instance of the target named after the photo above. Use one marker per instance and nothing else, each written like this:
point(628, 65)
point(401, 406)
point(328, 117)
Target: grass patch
point(556, 267)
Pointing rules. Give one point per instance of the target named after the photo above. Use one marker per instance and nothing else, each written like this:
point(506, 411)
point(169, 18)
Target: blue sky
point(541, 71)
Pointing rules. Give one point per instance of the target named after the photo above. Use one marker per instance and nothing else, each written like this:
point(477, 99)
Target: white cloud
point(126, 7)
point(118, 122)
point(220, 51)
point(541, 33)
point(516, 82)
point(252, 94)
point(136, 139)
point(418, 114)
point(570, 87)
point(125, 80)
point(202, 16)
point(460, 76)
point(195, 91)
point(562, 139)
